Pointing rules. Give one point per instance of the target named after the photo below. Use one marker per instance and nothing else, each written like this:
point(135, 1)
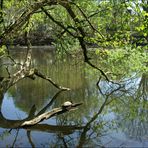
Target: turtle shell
point(67, 103)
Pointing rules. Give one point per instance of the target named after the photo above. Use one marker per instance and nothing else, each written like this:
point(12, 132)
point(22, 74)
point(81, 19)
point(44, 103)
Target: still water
point(110, 116)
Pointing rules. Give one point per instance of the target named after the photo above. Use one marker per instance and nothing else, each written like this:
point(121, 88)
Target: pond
point(111, 115)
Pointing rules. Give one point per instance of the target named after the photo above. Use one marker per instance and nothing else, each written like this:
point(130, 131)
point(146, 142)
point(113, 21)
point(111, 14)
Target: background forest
point(94, 52)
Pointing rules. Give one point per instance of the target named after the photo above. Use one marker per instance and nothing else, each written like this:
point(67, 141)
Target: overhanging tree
point(82, 22)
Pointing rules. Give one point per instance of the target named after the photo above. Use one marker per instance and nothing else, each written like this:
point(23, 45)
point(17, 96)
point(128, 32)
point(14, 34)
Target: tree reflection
point(142, 91)
point(26, 92)
point(132, 113)
point(131, 117)
point(15, 124)
point(87, 126)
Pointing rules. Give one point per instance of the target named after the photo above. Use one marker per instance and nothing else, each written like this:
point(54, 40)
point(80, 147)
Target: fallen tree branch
point(39, 74)
point(25, 72)
point(47, 115)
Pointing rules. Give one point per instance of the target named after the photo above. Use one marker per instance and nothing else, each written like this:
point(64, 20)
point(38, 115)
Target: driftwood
point(34, 120)
point(47, 115)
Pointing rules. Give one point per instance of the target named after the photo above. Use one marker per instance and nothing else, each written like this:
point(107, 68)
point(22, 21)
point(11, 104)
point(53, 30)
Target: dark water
point(110, 116)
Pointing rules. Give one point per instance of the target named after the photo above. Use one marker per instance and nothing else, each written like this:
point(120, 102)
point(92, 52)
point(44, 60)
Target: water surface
point(121, 122)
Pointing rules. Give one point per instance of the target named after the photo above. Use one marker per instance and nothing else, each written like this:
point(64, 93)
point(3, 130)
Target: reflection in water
point(111, 114)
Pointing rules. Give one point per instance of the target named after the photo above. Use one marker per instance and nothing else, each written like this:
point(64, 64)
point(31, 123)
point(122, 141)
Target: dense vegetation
point(102, 42)
point(70, 25)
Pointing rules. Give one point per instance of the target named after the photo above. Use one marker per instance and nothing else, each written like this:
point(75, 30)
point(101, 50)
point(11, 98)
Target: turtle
point(67, 104)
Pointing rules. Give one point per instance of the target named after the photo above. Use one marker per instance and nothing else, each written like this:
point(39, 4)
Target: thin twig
point(7, 69)
point(84, 15)
point(57, 22)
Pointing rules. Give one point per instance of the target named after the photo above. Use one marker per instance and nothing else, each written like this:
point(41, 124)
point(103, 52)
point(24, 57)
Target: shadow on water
point(111, 114)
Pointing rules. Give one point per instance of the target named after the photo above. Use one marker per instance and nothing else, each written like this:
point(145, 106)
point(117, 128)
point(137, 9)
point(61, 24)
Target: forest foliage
point(104, 24)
